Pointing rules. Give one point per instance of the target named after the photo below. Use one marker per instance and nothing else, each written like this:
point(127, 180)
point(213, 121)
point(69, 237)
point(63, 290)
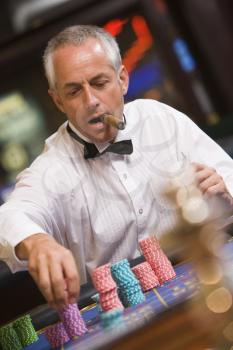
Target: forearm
point(17, 225)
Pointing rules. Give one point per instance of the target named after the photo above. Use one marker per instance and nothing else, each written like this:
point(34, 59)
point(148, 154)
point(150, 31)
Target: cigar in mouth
point(113, 121)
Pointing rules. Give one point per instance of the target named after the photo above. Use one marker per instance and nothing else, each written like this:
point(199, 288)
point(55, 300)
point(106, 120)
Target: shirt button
point(140, 211)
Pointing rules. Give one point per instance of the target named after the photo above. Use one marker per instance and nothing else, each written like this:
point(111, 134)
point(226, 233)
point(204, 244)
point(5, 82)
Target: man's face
point(87, 86)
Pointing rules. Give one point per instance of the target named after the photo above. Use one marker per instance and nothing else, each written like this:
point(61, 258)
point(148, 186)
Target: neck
point(79, 133)
point(101, 146)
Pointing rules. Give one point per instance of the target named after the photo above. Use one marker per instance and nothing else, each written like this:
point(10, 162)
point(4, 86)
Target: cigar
point(113, 121)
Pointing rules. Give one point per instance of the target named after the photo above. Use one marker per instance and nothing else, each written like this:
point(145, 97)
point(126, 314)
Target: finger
point(72, 278)
point(208, 183)
point(202, 175)
point(41, 276)
point(203, 169)
point(198, 166)
point(58, 284)
point(215, 190)
point(44, 282)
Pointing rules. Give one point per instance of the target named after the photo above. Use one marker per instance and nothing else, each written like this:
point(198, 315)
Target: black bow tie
point(91, 151)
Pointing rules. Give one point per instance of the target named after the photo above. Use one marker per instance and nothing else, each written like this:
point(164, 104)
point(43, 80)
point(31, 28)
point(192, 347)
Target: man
point(73, 210)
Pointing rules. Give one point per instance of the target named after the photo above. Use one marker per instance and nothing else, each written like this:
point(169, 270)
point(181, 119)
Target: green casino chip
point(9, 339)
point(25, 330)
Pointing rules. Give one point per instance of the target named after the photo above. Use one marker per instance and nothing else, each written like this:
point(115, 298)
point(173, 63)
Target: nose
point(91, 99)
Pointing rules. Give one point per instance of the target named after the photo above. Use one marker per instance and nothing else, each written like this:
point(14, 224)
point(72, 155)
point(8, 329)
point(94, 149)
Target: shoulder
point(154, 112)
point(56, 153)
point(53, 145)
point(150, 107)
point(57, 139)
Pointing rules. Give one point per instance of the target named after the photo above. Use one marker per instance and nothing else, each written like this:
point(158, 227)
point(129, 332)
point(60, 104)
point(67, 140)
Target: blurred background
point(177, 51)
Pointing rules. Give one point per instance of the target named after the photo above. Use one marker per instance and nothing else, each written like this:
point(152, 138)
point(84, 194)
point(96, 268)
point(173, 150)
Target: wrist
point(23, 249)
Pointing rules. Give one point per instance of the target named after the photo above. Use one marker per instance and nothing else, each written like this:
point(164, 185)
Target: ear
point(124, 79)
point(56, 99)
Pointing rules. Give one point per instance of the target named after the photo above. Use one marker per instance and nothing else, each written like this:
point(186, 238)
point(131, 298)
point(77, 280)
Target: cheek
point(116, 95)
point(72, 108)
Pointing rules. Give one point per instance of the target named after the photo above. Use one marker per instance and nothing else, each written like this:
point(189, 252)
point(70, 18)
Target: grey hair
point(78, 35)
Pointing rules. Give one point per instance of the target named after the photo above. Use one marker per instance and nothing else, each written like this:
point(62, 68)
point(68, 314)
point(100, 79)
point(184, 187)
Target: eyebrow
point(99, 76)
point(75, 84)
point(71, 85)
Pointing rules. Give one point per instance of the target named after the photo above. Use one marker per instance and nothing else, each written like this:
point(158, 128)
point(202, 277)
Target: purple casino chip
point(57, 335)
point(73, 321)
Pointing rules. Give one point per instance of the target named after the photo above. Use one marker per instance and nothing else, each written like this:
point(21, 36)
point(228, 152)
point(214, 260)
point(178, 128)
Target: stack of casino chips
point(73, 321)
point(129, 289)
point(57, 335)
point(158, 261)
point(106, 287)
point(18, 334)
point(9, 339)
point(146, 276)
point(72, 326)
point(25, 330)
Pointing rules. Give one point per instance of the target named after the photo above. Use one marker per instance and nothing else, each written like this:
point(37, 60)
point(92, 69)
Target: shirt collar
point(100, 146)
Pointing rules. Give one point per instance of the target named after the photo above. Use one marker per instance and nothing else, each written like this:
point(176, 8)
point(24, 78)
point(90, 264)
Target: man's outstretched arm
point(52, 267)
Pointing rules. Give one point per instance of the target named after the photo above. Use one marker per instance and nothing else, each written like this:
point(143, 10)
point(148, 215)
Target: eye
point(100, 83)
point(73, 92)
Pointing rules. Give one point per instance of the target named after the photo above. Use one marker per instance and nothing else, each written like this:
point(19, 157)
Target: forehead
point(81, 54)
point(71, 60)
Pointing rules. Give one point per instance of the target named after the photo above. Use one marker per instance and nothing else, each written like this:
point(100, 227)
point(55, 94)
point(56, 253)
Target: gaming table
point(161, 322)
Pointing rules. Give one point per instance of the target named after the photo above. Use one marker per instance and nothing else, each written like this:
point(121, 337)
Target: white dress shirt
point(100, 208)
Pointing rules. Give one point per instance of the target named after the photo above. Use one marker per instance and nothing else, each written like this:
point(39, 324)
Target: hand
point(210, 182)
point(52, 267)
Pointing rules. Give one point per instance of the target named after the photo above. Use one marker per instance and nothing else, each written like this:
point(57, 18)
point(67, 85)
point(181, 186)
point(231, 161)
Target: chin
point(104, 138)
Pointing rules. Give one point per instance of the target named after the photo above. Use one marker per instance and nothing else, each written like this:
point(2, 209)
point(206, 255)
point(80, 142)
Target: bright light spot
point(181, 196)
point(219, 301)
point(195, 210)
point(210, 272)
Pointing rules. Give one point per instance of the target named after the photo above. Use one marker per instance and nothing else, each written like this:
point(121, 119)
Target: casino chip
point(146, 276)
point(112, 319)
point(129, 289)
point(73, 320)
point(107, 288)
point(157, 259)
point(9, 339)
point(57, 335)
point(25, 330)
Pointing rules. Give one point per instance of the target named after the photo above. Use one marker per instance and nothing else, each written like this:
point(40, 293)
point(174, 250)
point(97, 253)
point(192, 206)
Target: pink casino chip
point(73, 320)
point(57, 335)
point(146, 276)
point(157, 259)
point(107, 288)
